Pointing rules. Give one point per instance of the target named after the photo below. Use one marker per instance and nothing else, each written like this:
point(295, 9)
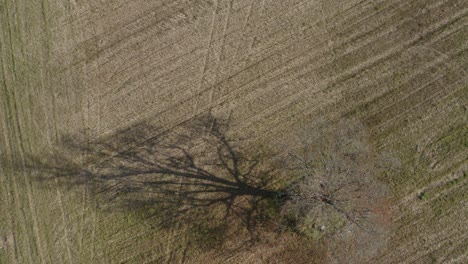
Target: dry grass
point(271, 67)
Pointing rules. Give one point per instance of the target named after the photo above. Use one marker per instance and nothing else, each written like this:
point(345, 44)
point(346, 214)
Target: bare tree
point(336, 193)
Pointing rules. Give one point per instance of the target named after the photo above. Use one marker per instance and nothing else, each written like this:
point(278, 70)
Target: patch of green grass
point(453, 182)
point(3, 256)
point(424, 196)
point(439, 212)
point(131, 220)
point(448, 200)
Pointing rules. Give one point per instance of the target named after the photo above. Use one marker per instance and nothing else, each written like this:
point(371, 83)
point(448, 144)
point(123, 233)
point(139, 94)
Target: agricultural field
point(160, 131)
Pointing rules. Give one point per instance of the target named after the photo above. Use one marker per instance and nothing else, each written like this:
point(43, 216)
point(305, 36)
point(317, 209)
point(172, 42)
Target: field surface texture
point(88, 72)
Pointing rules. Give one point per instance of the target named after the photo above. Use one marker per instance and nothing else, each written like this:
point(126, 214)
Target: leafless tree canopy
point(197, 174)
point(336, 191)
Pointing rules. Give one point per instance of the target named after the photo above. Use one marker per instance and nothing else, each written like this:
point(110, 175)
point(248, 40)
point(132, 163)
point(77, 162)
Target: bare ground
point(98, 67)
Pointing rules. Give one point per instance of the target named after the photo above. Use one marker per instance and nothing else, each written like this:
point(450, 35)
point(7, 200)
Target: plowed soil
point(98, 67)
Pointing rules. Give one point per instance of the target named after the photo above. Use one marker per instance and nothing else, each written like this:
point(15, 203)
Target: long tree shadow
point(195, 174)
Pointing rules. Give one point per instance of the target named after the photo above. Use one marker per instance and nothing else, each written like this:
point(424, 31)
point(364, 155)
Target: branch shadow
point(195, 175)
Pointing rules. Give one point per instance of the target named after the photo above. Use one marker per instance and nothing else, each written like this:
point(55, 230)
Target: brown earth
point(94, 68)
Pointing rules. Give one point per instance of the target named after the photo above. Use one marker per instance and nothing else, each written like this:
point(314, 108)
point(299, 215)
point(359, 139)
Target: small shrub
point(423, 196)
point(439, 212)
